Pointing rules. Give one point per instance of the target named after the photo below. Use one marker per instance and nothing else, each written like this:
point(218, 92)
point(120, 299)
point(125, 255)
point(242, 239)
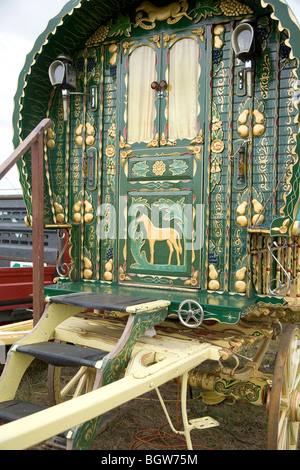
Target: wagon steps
point(142, 313)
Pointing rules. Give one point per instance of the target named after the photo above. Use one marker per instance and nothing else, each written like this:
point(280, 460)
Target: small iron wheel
point(284, 402)
point(64, 383)
point(190, 313)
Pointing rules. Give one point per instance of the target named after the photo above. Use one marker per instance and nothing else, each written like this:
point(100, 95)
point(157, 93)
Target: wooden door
point(161, 160)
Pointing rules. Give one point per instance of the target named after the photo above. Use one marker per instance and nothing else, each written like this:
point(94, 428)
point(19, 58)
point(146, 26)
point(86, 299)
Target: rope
point(159, 438)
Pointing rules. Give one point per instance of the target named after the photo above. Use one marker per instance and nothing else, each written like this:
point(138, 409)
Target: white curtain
point(141, 109)
point(184, 71)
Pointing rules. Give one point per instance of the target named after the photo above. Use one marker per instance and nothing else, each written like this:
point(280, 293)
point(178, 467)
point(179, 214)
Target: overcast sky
point(21, 22)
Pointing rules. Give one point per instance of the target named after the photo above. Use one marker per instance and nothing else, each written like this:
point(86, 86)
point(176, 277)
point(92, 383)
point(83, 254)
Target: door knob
point(154, 86)
point(163, 85)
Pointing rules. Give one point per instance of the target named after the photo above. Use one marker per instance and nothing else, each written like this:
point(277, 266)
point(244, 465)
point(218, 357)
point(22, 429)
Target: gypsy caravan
point(170, 159)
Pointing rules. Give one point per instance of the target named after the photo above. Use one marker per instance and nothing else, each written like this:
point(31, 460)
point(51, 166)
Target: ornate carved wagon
point(170, 158)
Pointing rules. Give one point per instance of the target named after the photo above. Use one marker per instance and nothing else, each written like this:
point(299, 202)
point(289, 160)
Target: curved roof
point(69, 29)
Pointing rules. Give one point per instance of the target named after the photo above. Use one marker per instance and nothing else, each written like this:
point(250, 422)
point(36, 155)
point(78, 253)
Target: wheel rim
point(284, 404)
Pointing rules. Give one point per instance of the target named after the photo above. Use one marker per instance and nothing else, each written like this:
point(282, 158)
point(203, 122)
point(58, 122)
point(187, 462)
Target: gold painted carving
point(108, 276)
point(125, 155)
point(88, 265)
point(218, 32)
point(159, 168)
point(88, 212)
point(110, 151)
point(217, 146)
point(123, 276)
point(265, 76)
point(200, 33)
point(283, 228)
point(77, 214)
point(154, 142)
point(123, 144)
point(113, 50)
point(194, 280)
point(164, 142)
point(234, 8)
point(99, 36)
point(213, 276)
point(60, 218)
point(197, 152)
point(50, 138)
point(199, 139)
point(126, 46)
point(240, 284)
point(154, 234)
point(90, 131)
point(243, 117)
point(168, 38)
point(156, 40)
point(148, 14)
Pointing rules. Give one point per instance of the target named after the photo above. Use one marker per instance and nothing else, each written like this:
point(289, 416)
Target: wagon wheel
point(284, 404)
point(64, 383)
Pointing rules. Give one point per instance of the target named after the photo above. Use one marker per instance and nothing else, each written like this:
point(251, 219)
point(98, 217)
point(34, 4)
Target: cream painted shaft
point(41, 426)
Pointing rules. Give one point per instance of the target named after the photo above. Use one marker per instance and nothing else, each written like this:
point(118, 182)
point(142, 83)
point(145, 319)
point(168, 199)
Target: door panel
point(141, 110)
point(161, 179)
point(183, 78)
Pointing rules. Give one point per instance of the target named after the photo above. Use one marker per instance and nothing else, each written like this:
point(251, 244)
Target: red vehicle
point(16, 272)
point(16, 292)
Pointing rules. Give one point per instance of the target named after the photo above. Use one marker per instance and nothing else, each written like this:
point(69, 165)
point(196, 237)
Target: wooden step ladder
point(143, 314)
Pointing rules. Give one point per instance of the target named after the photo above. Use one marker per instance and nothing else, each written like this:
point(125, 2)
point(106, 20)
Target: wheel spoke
point(70, 385)
point(81, 385)
point(294, 364)
point(282, 430)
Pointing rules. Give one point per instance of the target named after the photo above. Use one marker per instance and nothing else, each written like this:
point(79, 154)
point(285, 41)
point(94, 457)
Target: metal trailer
point(169, 138)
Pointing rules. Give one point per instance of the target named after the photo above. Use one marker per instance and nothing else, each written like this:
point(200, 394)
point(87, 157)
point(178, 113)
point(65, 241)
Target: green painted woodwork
point(224, 307)
point(101, 185)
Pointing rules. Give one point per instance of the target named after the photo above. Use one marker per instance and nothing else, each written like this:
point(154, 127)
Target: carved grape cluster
point(234, 8)
point(99, 36)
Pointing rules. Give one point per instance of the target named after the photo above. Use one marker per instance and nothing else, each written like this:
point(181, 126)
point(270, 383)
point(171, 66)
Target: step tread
point(63, 355)
point(13, 410)
point(108, 302)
